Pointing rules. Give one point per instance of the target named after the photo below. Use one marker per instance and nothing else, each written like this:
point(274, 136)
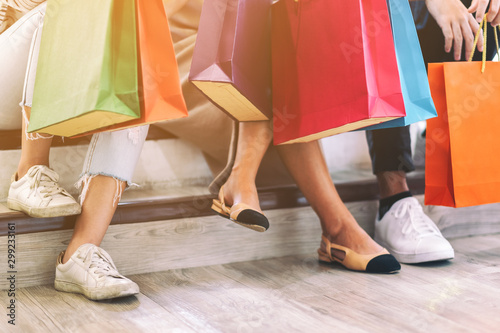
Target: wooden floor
point(290, 294)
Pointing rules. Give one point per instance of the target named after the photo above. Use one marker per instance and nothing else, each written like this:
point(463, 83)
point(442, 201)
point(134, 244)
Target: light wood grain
point(42, 309)
point(192, 242)
point(287, 294)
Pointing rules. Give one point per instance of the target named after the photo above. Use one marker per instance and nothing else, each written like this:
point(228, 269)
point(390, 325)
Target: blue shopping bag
point(413, 75)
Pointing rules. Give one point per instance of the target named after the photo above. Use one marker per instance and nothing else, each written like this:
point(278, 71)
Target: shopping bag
point(462, 164)
point(232, 57)
point(334, 68)
point(87, 74)
point(160, 90)
point(412, 73)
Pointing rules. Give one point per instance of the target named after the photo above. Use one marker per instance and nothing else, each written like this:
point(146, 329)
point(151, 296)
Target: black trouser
point(390, 149)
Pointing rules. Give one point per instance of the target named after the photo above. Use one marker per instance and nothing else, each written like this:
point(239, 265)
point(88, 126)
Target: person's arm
point(457, 24)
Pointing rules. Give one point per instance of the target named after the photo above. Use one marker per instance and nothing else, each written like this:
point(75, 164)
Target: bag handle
point(483, 28)
point(496, 38)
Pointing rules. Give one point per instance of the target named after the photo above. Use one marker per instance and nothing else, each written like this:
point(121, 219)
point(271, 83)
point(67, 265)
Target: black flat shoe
point(240, 213)
point(381, 262)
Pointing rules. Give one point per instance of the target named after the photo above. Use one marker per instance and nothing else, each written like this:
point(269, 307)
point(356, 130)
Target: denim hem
point(93, 174)
point(85, 179)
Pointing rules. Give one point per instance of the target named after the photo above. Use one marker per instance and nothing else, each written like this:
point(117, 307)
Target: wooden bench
point(137, 211)
point(10, 140)
point(150, 235)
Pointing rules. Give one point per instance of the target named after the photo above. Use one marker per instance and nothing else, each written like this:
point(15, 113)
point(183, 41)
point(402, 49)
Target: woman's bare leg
point(84, 267)
point(38, 194)
point(98, 209)
point(33, 152)
point(307, 166)
point(253, 141)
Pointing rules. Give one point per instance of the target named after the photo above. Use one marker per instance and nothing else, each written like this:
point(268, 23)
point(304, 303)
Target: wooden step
point(11, 139)
point(178, 243)
point(155, 168)
point(146, 206)
point(156, 233)
point(155, 230)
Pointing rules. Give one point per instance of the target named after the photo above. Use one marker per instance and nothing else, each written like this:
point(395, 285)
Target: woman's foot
point(344, 241)
point(240, 190)
point(381, 262)
point(91, 272)
point(355, 238)
point(239, 202)
point(38, 194)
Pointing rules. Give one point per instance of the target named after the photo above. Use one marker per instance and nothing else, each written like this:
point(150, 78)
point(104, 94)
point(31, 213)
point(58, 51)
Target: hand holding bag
point(462, 164)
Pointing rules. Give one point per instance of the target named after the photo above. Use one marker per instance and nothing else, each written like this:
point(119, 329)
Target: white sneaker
point(91, 272)
point(410, 235)
point(38, 194)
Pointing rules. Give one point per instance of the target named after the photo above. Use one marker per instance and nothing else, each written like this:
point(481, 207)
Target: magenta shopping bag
point(232, 57)
point(334, 68)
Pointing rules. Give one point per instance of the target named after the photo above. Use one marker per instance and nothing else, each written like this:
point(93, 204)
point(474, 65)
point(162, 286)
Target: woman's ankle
point(353, 237)
point(67, 254)
point(241, 190)
point(72, 247)
point(23, 168)
point(333, 233)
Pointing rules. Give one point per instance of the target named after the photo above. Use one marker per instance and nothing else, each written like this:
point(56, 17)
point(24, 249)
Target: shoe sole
point(419, 258)
point(97, 294)
point(57, 211)
point(423, 257)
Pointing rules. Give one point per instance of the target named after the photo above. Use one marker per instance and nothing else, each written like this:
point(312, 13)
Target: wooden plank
point(221, 304)
point(10, 140)
point(457, 296)
point(287, 294)
point(161, 245)
point(43, 309)
point(155, 246)
point(158, 209)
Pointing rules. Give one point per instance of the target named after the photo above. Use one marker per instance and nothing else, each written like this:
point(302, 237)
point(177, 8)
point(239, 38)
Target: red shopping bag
point(160, 89)
point(334, 68)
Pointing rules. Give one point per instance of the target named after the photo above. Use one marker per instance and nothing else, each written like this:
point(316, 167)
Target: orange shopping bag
point(160, 90)
point(462, 161)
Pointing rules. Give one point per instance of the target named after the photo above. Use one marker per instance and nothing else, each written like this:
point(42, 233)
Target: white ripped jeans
point(113, 154)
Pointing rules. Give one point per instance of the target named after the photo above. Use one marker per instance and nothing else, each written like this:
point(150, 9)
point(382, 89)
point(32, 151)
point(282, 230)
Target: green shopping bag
point(87, 75)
